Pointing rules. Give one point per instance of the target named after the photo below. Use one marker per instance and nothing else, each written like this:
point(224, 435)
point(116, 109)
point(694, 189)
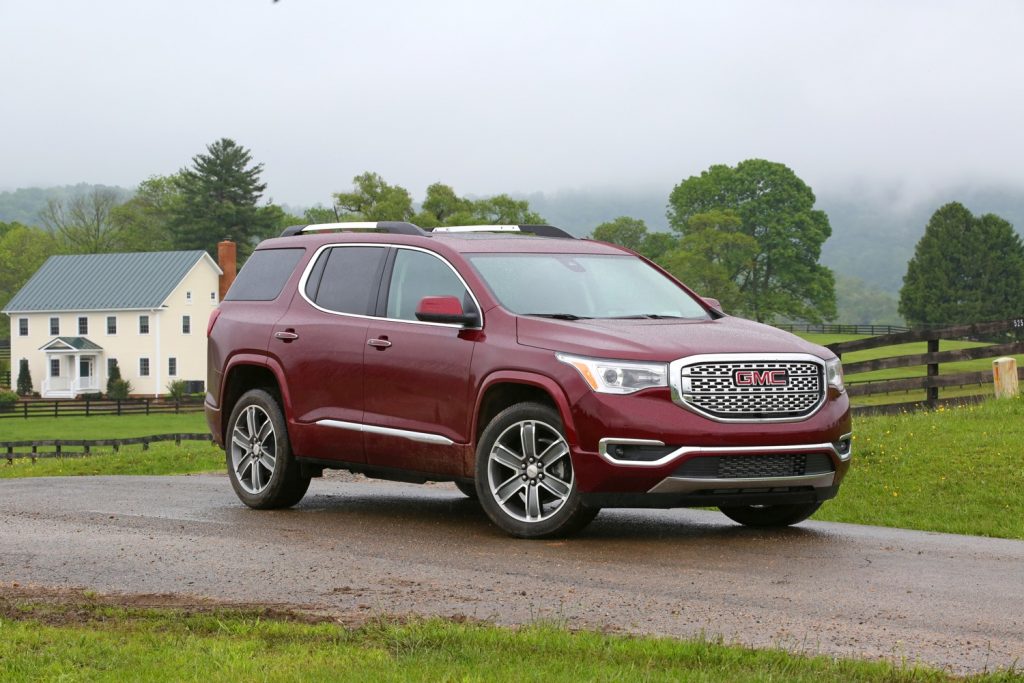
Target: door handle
point(379, 344)
point(286, 336)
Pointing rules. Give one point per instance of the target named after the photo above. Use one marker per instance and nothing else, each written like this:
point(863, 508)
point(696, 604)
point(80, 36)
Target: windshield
point(576, 286)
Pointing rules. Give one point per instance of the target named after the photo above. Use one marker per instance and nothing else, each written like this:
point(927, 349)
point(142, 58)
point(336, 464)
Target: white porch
point(72, 367)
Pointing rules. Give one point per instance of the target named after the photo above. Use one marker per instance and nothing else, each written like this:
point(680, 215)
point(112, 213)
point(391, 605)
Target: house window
point(111, 324)
point(55, 367)
point(83, 325)
point(111, 364)
point(188, 297)
point(213, 297)
point(22, 327)
point(143, 324)
point(143, 367)
point(172, 367)
point(186, 324)
point(55, 327)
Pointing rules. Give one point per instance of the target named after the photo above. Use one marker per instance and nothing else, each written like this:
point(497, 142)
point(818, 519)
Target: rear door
point(417, 398)
point(319, 343)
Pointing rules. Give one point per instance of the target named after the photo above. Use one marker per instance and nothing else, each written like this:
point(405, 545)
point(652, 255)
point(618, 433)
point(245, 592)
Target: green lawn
point(100, 427)
point(958, 470)
point(102, 643)
point(161, 458)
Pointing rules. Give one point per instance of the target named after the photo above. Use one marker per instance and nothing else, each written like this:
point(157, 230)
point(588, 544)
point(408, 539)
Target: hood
point(660, 340)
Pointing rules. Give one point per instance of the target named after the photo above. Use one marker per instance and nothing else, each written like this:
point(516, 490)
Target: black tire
point(257, 419)
point(468, 489)
point(770, 515)
point(542, 488)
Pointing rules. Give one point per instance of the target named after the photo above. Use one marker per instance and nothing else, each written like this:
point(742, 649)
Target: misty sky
point(520, 96)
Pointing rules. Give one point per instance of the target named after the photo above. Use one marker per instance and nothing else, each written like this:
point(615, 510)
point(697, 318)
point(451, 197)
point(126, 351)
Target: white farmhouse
point(148, 311)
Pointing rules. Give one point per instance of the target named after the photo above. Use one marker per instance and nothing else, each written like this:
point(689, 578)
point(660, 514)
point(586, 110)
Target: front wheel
point(259, 455)
point(770, 515)
point(524, 474)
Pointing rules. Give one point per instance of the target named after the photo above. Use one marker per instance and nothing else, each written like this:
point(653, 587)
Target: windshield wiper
point(559, 316)
point(644, 316)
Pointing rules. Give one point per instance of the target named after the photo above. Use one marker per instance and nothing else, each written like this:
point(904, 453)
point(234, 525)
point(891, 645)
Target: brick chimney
point(226, 259)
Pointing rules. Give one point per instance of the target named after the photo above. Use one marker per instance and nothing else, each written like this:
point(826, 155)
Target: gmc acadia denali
point(546, 376)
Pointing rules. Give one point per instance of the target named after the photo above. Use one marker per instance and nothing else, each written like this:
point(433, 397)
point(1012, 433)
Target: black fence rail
point(88, 408)
point(70, 448)
point(838, 328)
point(1008, 335)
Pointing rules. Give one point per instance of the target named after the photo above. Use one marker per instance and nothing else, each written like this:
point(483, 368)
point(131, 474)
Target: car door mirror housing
point(445, 309)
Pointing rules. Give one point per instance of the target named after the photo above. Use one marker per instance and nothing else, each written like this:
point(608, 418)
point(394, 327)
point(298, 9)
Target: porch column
point(74, 375)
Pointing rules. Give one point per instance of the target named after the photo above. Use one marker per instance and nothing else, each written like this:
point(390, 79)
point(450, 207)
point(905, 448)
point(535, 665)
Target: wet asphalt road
point(369, 547)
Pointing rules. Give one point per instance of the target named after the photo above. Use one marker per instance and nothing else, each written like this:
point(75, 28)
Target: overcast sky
point(520, 96)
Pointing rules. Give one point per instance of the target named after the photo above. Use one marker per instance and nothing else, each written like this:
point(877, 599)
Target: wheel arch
point(245, 372)
point(506, 388)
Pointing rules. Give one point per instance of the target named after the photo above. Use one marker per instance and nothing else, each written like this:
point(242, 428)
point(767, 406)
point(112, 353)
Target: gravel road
point(364, 547)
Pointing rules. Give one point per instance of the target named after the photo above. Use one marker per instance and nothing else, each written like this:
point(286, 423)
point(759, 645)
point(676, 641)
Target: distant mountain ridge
point(24, 204)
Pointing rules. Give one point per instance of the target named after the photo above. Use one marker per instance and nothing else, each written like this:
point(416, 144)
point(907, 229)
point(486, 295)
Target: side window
point(417, 274)
point(349, 280)
point(263, 276)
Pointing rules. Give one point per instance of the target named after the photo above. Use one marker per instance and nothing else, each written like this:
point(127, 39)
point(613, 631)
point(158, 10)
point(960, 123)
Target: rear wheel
point(770, 515)
point(524, 474)
point(261, 467)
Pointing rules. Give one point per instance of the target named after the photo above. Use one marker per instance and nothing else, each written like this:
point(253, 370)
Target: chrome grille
point(744, 390)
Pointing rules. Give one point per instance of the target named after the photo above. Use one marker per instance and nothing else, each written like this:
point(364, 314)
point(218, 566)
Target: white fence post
point(1004, 377)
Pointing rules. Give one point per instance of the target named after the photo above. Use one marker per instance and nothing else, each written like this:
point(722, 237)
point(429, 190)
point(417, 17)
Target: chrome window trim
point(675, 381)
point(603, 444)
point(419, 437)
point(316, 255)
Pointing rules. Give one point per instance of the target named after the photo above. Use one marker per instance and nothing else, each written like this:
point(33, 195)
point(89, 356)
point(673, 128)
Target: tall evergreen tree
point(219, 199)
point(24, 378)
point(965, 269)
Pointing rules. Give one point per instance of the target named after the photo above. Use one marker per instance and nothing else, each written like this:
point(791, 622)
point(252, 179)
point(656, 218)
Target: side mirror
point(713, 303)
point(445, 309)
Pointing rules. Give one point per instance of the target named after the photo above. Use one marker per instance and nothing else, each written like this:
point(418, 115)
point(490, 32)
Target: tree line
point(748, 235)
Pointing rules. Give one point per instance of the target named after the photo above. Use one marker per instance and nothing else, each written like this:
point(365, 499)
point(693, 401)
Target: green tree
point(775, 208)
point(624, 231)
point(220, 194)
point(146, 220)
point(443, 207)
point(656, 244)
point(372, 199)
point(712, 256)
point(965, 269)
point(504, 210)
point(23, 250)
point(24, 378)
point(859, 303)
point(84, 223)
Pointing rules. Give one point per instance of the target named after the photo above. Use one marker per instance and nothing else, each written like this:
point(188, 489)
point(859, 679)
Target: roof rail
point(539, 230)
point(393, 227)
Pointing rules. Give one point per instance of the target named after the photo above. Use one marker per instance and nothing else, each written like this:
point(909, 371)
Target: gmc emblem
point(761, 378)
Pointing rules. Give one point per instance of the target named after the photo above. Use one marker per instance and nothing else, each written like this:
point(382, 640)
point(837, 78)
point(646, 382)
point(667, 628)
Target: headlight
point(834, 374)
point(617, 376)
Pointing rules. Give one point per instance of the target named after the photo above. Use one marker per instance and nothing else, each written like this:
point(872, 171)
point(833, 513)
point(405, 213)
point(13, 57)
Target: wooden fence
point(63, 448)
point(1004, 339)
point(88, 407)
point(838, 328)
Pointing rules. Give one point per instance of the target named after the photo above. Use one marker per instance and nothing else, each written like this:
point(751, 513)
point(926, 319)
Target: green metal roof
point(99, 282)
point(77, 343)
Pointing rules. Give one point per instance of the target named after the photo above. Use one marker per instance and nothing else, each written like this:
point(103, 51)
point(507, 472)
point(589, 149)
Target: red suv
point(546, 376)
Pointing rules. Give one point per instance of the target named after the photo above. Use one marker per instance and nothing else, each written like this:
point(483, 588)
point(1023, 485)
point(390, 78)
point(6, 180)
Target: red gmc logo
point(761, 378)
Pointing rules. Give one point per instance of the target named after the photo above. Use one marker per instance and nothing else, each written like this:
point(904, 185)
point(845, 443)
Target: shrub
point(115, 377)
point(176, 389)
point(24, 378)
point(119, 389)
point(7, 400)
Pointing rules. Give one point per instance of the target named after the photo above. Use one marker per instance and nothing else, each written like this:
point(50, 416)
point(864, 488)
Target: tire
point(468, 489)
point(770, 515)
point(524, 474)
point(260, 464)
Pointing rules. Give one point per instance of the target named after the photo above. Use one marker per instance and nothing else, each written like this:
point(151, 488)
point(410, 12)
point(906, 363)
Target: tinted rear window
point(350, 279)
point(264, 274)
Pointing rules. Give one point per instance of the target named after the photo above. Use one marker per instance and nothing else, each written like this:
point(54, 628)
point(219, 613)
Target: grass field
point(102, 643)
point(100, 427)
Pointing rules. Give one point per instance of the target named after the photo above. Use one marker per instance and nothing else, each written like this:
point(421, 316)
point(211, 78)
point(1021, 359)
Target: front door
point(418, 402)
